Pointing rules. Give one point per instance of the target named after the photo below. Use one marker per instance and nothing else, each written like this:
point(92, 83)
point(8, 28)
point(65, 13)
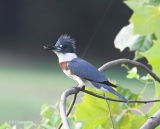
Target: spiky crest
point(67, 38)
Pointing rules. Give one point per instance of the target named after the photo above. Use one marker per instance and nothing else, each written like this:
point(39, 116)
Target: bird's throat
point(65, 57)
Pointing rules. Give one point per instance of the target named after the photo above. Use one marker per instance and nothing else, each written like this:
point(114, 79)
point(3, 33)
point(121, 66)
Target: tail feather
point(109, 84)
point(108, 89)
point(115, 93)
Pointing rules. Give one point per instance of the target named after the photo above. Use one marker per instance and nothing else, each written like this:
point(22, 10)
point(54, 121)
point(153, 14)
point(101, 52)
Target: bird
point(79, 69)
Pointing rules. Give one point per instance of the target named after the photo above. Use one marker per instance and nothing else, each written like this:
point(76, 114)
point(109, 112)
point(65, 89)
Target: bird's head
point(65, 44)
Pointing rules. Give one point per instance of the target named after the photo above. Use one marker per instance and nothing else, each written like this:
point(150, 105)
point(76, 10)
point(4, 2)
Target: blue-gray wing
point(85, 70)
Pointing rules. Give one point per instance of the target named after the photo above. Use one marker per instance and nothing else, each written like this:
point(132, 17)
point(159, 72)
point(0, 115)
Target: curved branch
point(69, 109)
point(119, 100)
point(152, 122)
point(128, 61)
point(64, 96)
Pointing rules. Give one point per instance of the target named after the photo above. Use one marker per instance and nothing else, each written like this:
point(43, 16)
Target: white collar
point(64, 57)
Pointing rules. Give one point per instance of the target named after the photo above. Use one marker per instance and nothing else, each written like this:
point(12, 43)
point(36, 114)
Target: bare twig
point(69, 109)
point(119, 100)
point(109, 113)
point(152, 122)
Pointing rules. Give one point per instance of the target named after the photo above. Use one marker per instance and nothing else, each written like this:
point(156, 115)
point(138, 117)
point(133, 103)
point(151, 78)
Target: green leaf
point(94, 111)
point(98, 127)
point(153, 56)
point(137, 121)
point(72, 122)
point(134, 4)
point(146, 20)
point(158, 28)
point(133, 73)
point(137, 55)
point(47, 111)
point(153, 110)
point(154, 2)
point(125, 38)
point(51, 117)
point(145, 78)
point(130, 121)
point(28, 125)
point(5, 126)
point(143, 43)
point(44, 108)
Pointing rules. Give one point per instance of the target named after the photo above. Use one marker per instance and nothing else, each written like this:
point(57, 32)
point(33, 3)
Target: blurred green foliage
point(92, 113)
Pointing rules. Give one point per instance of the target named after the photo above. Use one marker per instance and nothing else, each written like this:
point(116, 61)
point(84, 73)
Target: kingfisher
point(79, 69)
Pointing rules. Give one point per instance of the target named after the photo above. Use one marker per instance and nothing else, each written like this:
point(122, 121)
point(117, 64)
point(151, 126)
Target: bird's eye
point(60, 46)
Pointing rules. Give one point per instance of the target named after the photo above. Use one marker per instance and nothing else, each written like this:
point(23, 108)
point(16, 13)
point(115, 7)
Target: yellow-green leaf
point(94, 111)
point(153, 56)
point(134, 4)
point(146, 20)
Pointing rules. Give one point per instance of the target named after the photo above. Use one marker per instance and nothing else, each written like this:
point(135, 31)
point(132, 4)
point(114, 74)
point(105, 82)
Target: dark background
point(26, 25)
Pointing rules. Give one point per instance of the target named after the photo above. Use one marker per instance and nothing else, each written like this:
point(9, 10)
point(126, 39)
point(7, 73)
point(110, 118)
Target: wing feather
point(86, 70)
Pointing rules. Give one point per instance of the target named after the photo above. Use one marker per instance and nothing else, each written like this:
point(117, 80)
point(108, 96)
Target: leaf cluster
point(142, 36)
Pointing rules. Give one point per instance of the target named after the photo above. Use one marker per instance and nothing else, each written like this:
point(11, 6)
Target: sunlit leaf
point(137, 121)
point(126, 38)
point(130, 121)
point(146, 20)
point(134, 4)
point(47, 112)
point(133, 73)
point(98, 127)
point(143, 43)
point(137, 55)
point(28, 125)
point(158, 27)
point(147, 77)
point(5, 126)
point(154, 109)
point(153, 56)
point(94, 111)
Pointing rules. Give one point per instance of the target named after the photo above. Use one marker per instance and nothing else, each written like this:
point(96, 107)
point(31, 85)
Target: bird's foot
point(81, 87)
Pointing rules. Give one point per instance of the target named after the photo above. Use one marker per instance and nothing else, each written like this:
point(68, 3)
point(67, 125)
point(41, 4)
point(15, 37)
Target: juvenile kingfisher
point(78, 69)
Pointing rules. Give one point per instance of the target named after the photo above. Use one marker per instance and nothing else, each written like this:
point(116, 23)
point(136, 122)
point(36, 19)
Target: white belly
point(82, 82)
point(74, 77)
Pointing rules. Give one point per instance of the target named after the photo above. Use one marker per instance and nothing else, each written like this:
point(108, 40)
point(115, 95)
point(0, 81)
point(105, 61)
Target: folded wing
point(86, 70)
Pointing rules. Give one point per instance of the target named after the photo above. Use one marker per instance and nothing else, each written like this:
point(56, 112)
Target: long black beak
point(49, 47)
point(55, 48)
